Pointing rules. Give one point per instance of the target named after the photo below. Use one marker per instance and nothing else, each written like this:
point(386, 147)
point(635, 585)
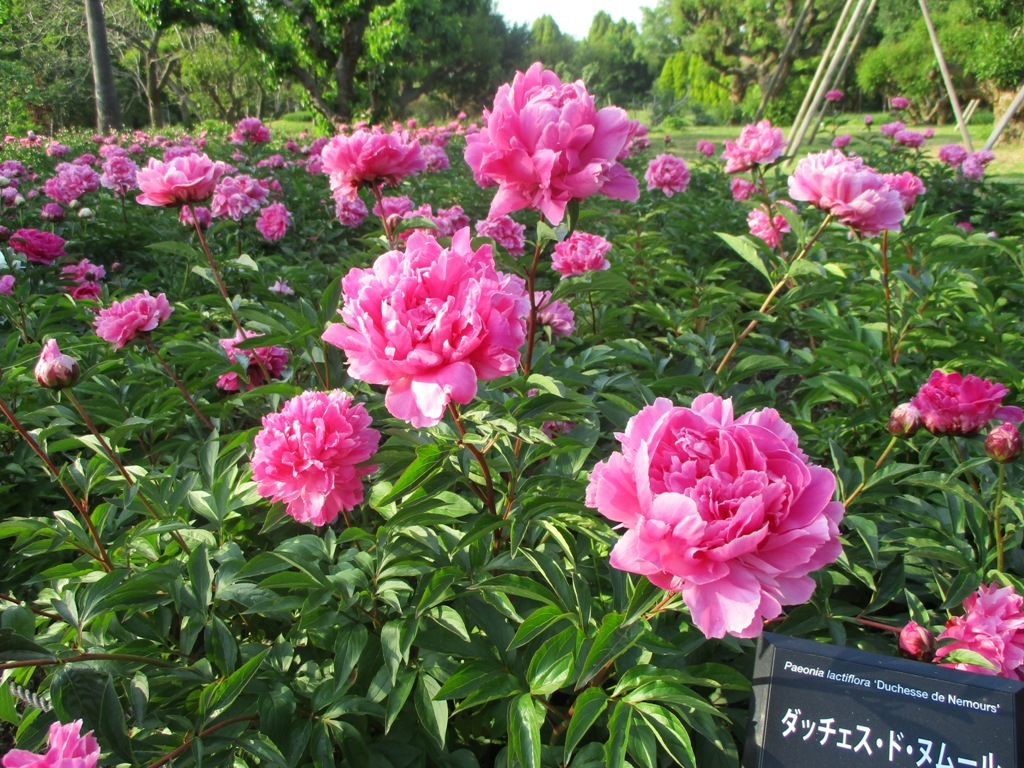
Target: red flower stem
point(669, 597)
point(531, 321)
point(81, 507)
point(876, 625)
point(85, 657)
point(864, 482)
point(488, 497)
point(888, 296)
point(774, 292)
point(223, 288)
point(177, 382)
point(995, 517)
point(178, 751)
point(36, 611)
point(121, 468)
point(378, 195)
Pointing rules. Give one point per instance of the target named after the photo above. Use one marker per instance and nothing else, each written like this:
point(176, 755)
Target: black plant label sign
point(819, 705)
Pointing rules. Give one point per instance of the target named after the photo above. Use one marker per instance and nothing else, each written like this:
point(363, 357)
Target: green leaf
point(400, 691)
point(671, 733)
point(613, 639)
point(618, 735)
point(525, 718)
point(551, 666)
point(15, 647)
point(590, 705)
point(432, 713)
point(200, 573)
point(220, 695)
point(429, 459)
point(964, 656)
point(748, 252)
point(80, 692)
point(537, 623)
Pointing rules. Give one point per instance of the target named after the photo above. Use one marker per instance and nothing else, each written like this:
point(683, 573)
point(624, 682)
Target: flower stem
point(178, 751)
point(996, 509)
point(81, 507)
point(121, 468)
point(378, 195)
point(177, 382)
point(531, 321)
point(488, 496)
point(864, 482)
point(774, 292)
point(85, 657)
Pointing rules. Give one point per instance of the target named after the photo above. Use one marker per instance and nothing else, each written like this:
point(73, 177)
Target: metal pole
point(812, 112)
point(1004, 121)
point(945, 77)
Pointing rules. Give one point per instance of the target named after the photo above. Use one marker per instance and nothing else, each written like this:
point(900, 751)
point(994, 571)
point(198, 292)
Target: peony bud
point(86, 213)
point(917, 642)
point(1004, 443)
point(904, 420)
point(4, 181)
point(55, 370)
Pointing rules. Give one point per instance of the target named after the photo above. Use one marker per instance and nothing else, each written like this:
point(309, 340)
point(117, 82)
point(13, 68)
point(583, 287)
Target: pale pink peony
point(952, 404)
point(273, 221)
point(312, 455)
point(122, 321)
point(667, 173)
point(371, 157)
point(237, 196)
point(726, 510)
point(38, 246)
point(191, 178)
point(545, 143)
point(280, 286)
point(766, 227)
point(992, 626)
point(580, 253)
point(758, 144)
point(507, 233)
point(67, 748)
point(273, 360)
point(554, 313)
point(742, 189)
point(853, 192)
point(430, 322)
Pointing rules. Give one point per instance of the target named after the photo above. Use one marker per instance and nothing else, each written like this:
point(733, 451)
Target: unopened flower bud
point(86, 213)
point(904, 420)
point(19, 199)
point(394, 220)
point(4, 181)
point(1004, 443)
point(917, 642)
point(55, 370)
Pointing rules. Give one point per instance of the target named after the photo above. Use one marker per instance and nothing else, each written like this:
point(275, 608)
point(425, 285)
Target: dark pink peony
point(582, 252)
point(67, 748)
point(758, 144)
point(272, 358)
point(350, 209)
point(667, 173)
point(853, 192)
point(312, 455)
point(187, 179)
point(726, 510)
point(371, 157)
point(273, 221)
point(122, 321)
point(952, 404)
point(952, 154)
point(1003, 443)
point(6, 285)
point(251, 130)
point(545, 143)
point(430, 322)
point(554, 313)
point(992, 626)
point(37, 245)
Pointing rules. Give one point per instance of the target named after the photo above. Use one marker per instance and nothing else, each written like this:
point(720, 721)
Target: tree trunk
point(108, 111)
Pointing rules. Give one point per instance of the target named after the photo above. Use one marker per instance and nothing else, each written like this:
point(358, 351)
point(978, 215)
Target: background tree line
point(185, 61)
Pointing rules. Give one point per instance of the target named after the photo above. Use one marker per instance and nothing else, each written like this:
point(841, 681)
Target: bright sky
point(572, 16)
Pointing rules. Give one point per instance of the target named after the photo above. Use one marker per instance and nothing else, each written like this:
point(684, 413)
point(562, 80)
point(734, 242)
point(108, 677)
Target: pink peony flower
point(667, 173)
point(834, 95)
point(83, 271)
point(966, 226)
point(742, 189)
point(706, 147)
point(37, 245)
point(917, 642)
point(67, 749)
point(766, 227)
point(392, 205)
point(54, 369)
point(251, 130)
point(992, 626)
point(580, 253)
point(6, 285)
point(122, 321)
point(899, 102)
point(274, 359)
point(350, 209)
point(904, 421)
point(545, 144)
point(891, 129)
point(191, 178)
point(971, 169)
point(273, 221)
point(56, 149)
point(853, 192)
point(907, 185)
point(51, 212)
point(841, 142)
point(952, 154)
point(237, 197)
point(435, 158)
point(505, 232)
point(1003, 443)
point(119, 174)
point(909, 138)
point(952, 404)
point(726, 510)
point(429, 323)
point(312, 455)
point(71, 182)
point(199, 213)
point(280, 286)
point(371, 157)
point(89, 289)
point(758, 144)
point(554, 313)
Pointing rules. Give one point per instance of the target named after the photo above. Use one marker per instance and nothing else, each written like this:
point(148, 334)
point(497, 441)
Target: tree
point(549, 45)
point(108, 110)
point(611, 61)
